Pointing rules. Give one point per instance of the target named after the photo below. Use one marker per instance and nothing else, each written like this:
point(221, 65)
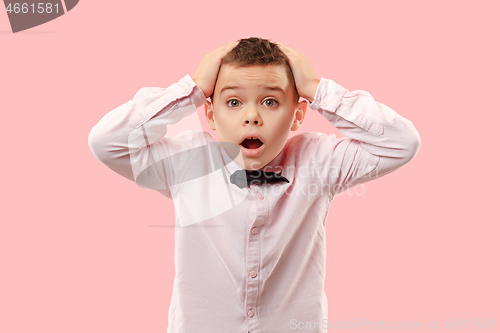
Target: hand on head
point(305, 78)
point(255, 87)
point(208, 68)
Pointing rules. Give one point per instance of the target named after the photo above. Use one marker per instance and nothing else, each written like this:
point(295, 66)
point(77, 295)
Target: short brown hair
point(258, 51)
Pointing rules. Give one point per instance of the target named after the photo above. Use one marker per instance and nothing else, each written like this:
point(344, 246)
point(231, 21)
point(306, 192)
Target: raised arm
point(377, 139)
point(132, 139)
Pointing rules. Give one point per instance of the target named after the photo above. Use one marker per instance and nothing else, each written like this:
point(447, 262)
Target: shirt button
point(324, 102)
point(260, 196)
point(250, 313)
point(253, 274)
point(186, 89)
point(255, 230)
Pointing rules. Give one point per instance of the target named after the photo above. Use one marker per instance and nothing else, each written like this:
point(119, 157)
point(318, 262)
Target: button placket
point(253, 259)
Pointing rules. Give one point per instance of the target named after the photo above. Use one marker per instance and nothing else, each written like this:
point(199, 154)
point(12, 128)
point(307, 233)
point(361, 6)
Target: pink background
point(84, 250)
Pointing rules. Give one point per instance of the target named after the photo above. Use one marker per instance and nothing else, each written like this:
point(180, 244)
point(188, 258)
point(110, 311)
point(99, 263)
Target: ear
point(299, 115)
point(209, 114)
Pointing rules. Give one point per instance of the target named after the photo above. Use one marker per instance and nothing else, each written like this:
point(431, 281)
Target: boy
point(250, 248)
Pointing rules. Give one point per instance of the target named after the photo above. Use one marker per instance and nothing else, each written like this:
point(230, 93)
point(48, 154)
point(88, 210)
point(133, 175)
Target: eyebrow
point(273, 88)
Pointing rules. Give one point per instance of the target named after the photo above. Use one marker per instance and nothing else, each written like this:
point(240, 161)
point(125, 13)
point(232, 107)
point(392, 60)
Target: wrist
point(311, 90)
point(200, 85)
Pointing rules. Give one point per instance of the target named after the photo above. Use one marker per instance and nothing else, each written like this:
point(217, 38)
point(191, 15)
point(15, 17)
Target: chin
point(255, 164)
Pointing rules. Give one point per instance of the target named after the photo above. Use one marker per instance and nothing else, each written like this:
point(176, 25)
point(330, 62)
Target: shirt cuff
point(151, 101)
point(198, 96)
point(330, 99)
point(328, 95)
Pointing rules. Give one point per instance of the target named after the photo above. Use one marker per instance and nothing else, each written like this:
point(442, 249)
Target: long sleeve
point(376, 139)
point(131, 139)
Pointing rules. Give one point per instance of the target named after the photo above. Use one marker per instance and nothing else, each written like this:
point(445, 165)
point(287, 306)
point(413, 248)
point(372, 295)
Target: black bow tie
point(242, 178)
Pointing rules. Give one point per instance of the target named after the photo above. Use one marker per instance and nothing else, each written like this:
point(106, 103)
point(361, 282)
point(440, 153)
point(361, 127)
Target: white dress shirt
point(250, 259)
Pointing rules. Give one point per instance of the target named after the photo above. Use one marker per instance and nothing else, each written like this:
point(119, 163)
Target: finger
point(291, 53)
point(228, 47)
point(282, 47)
point(280, 44)
point(286, 48)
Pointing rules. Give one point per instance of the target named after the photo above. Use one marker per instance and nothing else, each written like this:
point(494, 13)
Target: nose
point(252, 117)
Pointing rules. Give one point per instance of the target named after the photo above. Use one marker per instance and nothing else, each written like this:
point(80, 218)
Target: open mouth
point(251, 143)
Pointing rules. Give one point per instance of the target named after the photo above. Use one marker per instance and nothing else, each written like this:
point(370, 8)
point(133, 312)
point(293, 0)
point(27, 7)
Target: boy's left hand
point(306, 80)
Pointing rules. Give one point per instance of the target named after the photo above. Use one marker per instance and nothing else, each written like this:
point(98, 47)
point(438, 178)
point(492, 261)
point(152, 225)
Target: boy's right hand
point(208, 68)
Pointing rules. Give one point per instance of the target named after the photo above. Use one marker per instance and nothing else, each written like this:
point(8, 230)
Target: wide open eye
point(232, 103)
point(270, 102)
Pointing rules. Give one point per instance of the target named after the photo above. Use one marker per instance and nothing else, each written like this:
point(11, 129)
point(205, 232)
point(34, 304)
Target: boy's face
point(245, 106)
